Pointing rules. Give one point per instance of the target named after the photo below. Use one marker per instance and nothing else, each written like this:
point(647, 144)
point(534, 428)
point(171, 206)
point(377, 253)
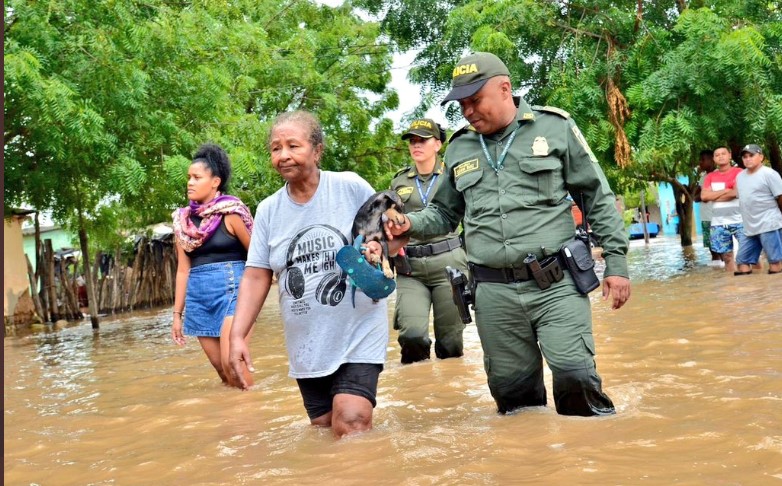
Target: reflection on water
point(693, 364)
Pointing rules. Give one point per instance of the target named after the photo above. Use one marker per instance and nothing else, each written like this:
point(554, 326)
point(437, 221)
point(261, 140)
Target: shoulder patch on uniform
point(461, 131)
point(404, 191)
point(552, 109)
point(401, 171)
point(465, 167)
point(581, 140)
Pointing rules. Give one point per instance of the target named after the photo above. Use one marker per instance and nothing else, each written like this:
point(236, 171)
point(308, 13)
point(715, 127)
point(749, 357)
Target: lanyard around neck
point(425, 195)
point(501, 161)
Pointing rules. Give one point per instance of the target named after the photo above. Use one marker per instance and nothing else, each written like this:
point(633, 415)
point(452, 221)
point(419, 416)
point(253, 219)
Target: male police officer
point(424, 285)
point(507, 177)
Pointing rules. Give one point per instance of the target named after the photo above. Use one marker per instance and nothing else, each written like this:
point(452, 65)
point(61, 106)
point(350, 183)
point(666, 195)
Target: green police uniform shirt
point(523, 207)
point(404, 184)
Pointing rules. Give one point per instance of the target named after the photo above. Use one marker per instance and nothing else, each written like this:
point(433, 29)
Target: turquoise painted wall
point(60, 239)
point(668, 208)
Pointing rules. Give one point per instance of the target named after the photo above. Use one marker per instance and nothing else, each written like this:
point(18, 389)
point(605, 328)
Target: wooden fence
point(123, 283)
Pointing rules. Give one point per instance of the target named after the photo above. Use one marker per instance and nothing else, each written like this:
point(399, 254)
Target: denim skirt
point(211, 297)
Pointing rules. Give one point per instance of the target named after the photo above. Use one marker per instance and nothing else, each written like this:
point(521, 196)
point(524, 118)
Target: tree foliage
point(650, 83)
point(106, 101)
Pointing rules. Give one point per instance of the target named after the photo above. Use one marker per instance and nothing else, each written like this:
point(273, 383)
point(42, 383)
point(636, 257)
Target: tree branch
point(578, 31)
point(638, 15)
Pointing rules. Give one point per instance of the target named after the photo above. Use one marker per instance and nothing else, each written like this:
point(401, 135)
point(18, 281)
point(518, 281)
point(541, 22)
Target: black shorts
point(358, 379)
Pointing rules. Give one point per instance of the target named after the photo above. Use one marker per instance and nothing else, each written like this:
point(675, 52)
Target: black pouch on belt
point(577, 256)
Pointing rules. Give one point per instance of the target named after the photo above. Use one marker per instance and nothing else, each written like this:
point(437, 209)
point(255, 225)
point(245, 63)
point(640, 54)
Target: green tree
point(106, 101)
point(650, 83)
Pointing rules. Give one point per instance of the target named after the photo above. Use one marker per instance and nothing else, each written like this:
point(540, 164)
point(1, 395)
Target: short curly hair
point(305, 119)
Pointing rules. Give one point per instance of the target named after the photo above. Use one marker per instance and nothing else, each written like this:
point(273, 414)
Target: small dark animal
point(370, 220)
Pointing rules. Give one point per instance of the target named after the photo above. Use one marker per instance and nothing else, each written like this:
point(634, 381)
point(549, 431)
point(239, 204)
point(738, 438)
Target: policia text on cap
point(506, 180)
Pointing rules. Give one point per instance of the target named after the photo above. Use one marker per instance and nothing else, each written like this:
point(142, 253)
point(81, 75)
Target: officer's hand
point(394, 228)
point(617, 287)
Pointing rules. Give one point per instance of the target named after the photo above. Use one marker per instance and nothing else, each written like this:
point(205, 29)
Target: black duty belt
point(419, 251)
point(499, 275)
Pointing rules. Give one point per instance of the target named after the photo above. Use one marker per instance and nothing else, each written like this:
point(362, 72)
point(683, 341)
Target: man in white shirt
point(760, 197)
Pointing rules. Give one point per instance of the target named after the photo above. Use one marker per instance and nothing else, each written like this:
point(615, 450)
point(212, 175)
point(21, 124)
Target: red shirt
point(728, 178)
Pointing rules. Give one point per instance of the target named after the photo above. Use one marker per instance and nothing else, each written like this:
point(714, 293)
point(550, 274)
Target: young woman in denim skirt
point(212, 235)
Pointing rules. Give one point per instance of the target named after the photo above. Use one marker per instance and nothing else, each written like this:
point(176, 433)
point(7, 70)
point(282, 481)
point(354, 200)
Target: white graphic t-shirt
point(299, 243)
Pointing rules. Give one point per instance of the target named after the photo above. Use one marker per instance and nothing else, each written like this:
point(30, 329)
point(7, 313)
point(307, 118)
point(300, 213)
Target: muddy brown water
point(693, 364)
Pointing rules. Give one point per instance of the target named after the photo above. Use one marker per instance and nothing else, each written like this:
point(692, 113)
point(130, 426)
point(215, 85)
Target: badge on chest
point(540, 147)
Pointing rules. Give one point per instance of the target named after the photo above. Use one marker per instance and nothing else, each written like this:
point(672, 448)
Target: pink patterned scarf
point(191, 237)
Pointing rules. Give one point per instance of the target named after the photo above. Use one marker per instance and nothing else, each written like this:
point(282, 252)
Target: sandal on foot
point(743, 273)
point(772, 272)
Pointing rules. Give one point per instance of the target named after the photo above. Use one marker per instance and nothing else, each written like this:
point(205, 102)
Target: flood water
point(693, 363)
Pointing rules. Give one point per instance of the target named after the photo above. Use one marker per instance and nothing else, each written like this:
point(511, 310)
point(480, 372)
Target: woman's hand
point(176, 330)
point(373, 250)
point(239, 358)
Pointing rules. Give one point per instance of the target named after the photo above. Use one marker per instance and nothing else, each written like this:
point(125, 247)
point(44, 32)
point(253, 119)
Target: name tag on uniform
point(465, 167)
point(404, 191)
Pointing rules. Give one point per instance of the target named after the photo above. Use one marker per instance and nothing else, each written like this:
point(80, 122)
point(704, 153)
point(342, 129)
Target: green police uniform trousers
point(426, 288)
point(518, 325)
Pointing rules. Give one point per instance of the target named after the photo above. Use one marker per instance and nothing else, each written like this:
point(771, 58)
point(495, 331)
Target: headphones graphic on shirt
point(331, 288)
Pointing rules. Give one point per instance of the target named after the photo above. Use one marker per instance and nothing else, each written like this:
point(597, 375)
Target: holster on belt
point(546, 271)
point(402, 264)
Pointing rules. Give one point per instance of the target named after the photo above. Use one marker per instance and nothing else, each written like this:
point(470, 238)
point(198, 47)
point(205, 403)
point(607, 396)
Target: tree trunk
point(774, 155)
point(92, 303)
point(684, 210)
point(40, 271)
point(51, 291)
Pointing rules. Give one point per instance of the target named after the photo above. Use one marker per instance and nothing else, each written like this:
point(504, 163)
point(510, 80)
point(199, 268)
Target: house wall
point(17, 303)
point(668, 218)
point(60, 239)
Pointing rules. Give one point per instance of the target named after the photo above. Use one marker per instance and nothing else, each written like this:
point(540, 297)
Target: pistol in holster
point(402, 264)
point(546, 271)
point(462, 291)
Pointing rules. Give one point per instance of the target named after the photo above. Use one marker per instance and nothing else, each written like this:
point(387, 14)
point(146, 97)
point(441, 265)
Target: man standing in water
point(506, 180)
point(705, 166)
point(760, 195)
point(719, 187)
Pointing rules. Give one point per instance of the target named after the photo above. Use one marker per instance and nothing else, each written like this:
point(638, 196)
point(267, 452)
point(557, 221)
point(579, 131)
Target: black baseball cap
point(752, 148)
point(424, 128)
point(472, 72)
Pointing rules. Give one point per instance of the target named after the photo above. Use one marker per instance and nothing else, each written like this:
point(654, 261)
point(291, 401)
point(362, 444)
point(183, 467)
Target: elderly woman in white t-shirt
point(336, 350)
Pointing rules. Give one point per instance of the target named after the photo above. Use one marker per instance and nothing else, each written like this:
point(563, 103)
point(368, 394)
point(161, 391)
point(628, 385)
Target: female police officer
point(425, 285)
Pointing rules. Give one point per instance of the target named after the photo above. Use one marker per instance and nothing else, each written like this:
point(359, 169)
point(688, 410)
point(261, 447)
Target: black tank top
point(221, 247)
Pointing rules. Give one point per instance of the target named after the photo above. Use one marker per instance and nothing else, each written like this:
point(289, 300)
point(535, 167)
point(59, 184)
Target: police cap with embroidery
point(472, 72)
point(424, 128)
point(752, 148)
